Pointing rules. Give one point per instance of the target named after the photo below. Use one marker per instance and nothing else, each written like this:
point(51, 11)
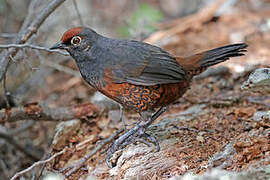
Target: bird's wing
point(143, 64)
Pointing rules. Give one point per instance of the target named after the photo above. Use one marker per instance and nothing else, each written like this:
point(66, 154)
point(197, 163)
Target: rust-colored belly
point(141, 98)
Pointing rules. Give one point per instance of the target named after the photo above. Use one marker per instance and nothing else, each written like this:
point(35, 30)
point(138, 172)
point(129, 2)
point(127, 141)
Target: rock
point(143, 160)
point(53, 176)
point(258, 81)
point(222, 159)
point(174, 119)
point(114, 116)
point(64, 131)
point(97, 171)
point(103, 102)
point(200, 138)
point(193, 110)
point(261, 115)
point(236, 37)
point(218, 71)
point(226, 7)
point(176, 152)
point(91, 178)
point(219, 174)
point(147, 161)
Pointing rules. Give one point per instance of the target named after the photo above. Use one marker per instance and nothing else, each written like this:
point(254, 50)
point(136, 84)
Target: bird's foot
point(134, 135)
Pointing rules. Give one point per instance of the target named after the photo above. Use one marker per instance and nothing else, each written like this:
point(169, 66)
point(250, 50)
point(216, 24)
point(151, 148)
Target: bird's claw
point(152, 139)
point(127, 138)
point(108, 161)
point(109, 155)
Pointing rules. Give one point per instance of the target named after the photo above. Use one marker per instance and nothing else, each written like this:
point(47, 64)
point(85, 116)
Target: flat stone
point(258, 81)
point(261, 115)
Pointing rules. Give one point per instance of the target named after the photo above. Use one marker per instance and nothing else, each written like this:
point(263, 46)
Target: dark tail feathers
point(221, 54)
point(199, 62)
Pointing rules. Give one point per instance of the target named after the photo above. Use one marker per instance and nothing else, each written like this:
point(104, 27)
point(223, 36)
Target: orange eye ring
point(76, 40)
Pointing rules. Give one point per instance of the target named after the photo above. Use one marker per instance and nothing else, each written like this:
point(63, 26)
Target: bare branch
point(31, 13)
point(8, 35)
point(25, 34)
point(78, 12)
point(32, 47)
point(79, 164)
point(41, 112)
point(61, 68)
point(57, 66)
point(5, 91)
point(37, 164)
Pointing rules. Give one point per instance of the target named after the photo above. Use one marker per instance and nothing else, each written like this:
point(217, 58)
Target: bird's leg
point(157, 114)
point(136, 134)
point(121, 116)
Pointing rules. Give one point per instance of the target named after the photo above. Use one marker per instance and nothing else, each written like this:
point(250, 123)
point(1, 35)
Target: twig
point(61, 68)
point(80, 163)
point(42, 112)
point(57, 66)
point(32, 47)
point(8, 35)
point(35, 81)
point(31, 13)
point(41, 172)
point(25, 34)
point(258, 100)
point(18, 174)
point(5, 91)
point(78, 12)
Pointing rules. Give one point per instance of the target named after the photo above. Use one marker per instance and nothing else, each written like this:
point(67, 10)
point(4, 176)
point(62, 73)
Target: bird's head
point(77, 40)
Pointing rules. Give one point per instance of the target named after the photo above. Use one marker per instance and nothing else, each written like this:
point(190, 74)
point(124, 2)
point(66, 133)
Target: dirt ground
point(226, 116)
point(211, 126)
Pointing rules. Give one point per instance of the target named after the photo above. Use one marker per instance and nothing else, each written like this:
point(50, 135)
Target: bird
point(137, 75)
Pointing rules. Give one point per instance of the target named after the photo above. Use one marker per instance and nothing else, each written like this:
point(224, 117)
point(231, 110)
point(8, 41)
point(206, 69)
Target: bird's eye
point(76, 40)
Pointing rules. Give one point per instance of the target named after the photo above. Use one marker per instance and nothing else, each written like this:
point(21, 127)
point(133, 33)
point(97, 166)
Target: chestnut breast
point(142, 98)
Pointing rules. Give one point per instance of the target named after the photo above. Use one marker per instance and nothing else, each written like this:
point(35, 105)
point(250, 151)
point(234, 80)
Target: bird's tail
point(198, 63)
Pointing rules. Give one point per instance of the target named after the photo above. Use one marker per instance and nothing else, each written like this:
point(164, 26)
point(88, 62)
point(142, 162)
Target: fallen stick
point(42, 112)
point(18, 174)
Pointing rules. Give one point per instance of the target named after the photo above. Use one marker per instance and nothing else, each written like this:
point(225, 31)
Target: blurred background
point(182, 27)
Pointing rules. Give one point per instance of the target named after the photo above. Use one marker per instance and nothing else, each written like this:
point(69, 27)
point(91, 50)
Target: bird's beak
point(58, 45)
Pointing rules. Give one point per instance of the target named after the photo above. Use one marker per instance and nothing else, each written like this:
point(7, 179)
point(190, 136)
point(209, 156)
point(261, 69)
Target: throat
point(91, 74)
